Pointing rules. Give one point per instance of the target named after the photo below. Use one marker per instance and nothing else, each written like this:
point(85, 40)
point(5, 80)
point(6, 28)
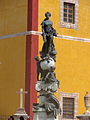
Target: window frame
point(69, 95)
point(67, 12)
point(67, 105)
point(65, 24)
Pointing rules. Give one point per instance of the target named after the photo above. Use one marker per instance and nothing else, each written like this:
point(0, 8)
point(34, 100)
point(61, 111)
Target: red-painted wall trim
point(31, 52)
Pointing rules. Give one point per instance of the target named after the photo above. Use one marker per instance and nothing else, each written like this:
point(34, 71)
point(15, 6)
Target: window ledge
point(68, 25)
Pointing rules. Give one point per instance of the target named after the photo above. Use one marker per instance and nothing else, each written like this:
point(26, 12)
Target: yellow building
point(72, 66)
point(70, 18)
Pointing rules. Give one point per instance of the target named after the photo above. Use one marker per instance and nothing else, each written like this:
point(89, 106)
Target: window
point(69, 105)
point(69, 14)
point(68, 108)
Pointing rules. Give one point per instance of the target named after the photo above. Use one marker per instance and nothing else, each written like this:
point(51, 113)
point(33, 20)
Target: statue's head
point(47, 14)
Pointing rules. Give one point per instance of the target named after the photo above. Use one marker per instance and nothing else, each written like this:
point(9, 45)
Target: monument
point(20, 113)
point(47, 84)
point(86, 115)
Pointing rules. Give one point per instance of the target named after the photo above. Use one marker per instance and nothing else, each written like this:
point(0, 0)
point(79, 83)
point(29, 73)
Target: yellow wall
point(13, 19)
point(73, 58)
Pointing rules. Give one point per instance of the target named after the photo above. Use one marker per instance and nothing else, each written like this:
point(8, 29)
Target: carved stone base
point(42, 115)
point(20, 112)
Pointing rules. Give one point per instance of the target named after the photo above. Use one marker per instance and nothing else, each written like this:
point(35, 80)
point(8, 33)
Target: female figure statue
point(48, 32)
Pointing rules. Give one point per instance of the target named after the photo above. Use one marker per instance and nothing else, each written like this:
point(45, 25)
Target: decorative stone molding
point(69, 25)
point(69, 95)
point(39, 33)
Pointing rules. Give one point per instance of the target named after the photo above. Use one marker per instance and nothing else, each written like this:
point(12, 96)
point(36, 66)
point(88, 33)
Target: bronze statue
point(48, 32)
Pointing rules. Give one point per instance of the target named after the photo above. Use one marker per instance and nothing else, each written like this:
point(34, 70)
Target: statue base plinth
point(41, 114)
point(20, 112)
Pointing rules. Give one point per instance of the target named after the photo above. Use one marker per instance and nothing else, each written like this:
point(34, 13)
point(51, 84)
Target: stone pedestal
point(84, 116)
point(20, 112)
point(42, 115)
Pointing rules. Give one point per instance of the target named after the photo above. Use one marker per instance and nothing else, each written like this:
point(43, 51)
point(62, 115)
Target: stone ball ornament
point(47, 64)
